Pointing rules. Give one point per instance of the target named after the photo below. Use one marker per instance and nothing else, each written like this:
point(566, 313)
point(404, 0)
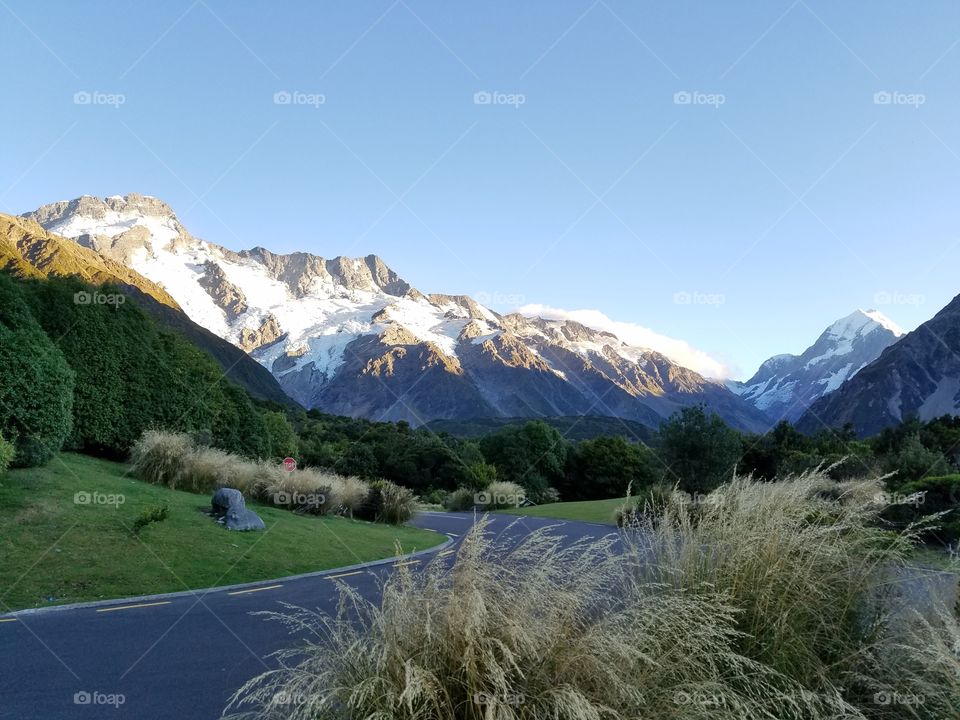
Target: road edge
point(203, 592)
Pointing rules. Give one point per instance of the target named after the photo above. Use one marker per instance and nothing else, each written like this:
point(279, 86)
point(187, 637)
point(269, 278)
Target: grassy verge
point(54, 550)
point(596, 511)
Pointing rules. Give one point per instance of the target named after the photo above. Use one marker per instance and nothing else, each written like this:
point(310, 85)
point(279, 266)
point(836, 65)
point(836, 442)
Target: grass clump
point(823, 588)
point(782, 601)
point(501, 494)
point(174, 460)
point(159, 457)
point(150, 514)
point(390, 503)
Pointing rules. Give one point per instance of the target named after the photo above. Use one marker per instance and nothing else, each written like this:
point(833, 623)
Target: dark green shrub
point(460, 500)
point(604, 467)
point(149, 515)
point(533, 455)
point(915, 500)
point(36, 383)
point(132, 375)
point(436, 497)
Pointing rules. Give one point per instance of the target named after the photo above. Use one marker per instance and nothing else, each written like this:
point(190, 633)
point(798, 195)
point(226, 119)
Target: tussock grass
point(775, 600)
point(394, 504)
point(538, 631)
point(174, 460)
point(158, 457)
point(502, 494)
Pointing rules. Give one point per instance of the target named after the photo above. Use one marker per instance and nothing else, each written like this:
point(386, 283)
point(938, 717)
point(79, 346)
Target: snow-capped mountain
point(786, 385)
point(349, 336)
point(919, 376)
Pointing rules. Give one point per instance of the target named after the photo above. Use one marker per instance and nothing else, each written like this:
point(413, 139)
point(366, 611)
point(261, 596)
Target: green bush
point(913, 501)
point(280, 435)
point(149, 515)
point(36, 383)
point(7, 451)
point(436, 497)
point(533, 455)
point(915, 461)
point(460, 500)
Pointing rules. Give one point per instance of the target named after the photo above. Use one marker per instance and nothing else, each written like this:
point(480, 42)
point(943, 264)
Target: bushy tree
point(281, 438)
point(913, 461)
point(358, 460)
point(606, 466)
point(699, 449)
point(533, 455)
point(36, 383)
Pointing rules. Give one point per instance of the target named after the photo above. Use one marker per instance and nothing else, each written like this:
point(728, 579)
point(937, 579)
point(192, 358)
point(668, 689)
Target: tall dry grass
point(174, 460)
point(543, 630)
point(773, 601)
point(821, 586)
point(158, 457)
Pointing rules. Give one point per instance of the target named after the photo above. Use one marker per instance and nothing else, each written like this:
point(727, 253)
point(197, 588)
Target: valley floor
point(66, 536)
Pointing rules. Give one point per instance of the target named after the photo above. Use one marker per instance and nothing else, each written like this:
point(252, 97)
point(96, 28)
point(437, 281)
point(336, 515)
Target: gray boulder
point(233, 513)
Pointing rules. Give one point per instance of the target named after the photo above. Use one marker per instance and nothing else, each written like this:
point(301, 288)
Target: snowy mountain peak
point(884, 322)
point(861, 322)
point(785, 385)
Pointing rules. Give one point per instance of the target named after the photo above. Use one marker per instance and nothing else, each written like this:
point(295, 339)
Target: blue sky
point(724, 173)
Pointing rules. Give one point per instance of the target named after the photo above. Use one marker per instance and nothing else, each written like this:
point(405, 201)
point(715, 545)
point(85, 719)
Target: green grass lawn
point(54, 550)
point(597, 511)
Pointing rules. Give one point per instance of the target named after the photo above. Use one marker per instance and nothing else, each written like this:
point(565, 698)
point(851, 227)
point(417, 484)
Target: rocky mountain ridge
point(350, 336)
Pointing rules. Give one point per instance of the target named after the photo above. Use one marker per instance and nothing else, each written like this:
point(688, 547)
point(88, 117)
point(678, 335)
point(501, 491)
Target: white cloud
point(677, 350)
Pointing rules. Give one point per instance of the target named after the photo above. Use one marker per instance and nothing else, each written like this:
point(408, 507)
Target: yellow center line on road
point(8, 619)
point(130, 607)
point(452, 534)
point(447, 552)
point(256, 589)
point(408, 562)
point(334, 577)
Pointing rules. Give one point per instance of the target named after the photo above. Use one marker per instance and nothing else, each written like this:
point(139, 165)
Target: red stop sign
point(289, 464)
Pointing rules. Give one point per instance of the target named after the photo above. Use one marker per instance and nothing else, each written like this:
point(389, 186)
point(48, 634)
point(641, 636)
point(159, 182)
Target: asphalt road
point(182, 656)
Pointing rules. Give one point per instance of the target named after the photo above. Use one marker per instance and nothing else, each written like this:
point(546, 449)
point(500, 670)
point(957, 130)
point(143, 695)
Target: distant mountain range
point(349, 336)
point(786, 385)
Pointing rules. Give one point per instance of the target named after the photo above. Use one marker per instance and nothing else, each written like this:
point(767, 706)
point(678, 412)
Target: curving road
point(182, 655)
